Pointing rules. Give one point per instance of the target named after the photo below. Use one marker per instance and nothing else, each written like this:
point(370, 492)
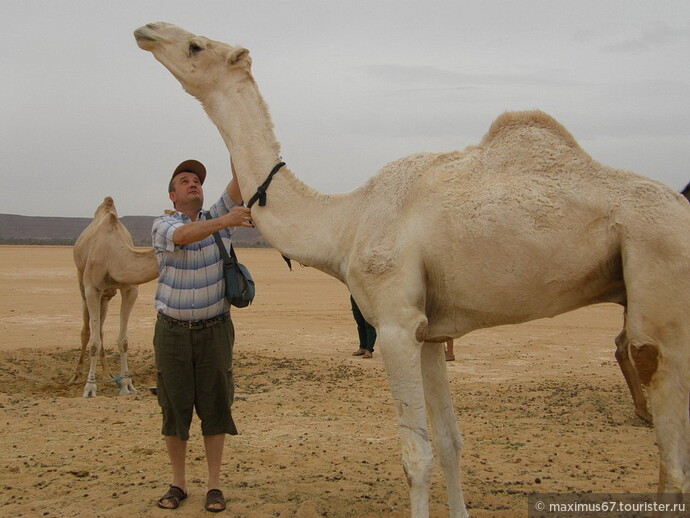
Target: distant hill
point(42, 230)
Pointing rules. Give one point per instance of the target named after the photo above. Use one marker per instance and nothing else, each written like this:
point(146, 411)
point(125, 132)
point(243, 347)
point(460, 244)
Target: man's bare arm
point(234, 187)
point(201, 229)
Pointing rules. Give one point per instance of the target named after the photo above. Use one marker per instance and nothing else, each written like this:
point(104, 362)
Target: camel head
point(107, 207)
point(201, 65)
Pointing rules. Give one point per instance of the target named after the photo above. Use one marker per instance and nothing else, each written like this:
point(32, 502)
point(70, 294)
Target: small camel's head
point(201, 65)
point(107, 207)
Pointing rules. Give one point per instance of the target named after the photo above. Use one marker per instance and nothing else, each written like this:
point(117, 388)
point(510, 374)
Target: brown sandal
point(175, 495)
point(214, 497)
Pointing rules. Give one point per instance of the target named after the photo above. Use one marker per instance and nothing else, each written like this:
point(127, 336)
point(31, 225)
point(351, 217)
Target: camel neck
point(300, 222)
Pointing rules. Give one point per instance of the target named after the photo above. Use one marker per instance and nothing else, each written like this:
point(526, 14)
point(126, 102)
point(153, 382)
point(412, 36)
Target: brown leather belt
point(195, 324)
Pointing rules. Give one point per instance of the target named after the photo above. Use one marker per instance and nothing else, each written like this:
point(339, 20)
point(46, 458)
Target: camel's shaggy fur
point(107, 261)
point(522, 226)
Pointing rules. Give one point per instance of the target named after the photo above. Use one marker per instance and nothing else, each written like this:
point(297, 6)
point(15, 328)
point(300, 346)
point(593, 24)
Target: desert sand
point(542, 407)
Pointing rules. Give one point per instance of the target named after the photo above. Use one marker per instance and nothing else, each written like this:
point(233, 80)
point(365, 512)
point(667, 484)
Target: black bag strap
point(228, 259)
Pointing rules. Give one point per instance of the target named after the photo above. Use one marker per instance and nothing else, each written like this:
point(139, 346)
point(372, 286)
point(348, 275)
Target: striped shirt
point(190, 281)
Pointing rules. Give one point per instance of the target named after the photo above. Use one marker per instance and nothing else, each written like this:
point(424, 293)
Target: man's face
point(187, 188)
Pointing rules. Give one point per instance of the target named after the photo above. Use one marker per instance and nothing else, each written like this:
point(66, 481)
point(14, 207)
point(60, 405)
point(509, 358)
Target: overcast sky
point(350, 85)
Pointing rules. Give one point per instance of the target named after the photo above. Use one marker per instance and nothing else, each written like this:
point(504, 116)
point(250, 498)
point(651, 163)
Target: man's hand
point(237, 217)
point(202, 228)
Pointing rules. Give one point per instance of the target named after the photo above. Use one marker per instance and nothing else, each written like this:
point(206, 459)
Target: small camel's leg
point(668, 386)
point(95, 345)
point(631, 377)
point(105, 300)
point(445, 432)
point(401, 355)
point(129, 297)
point(85, 335)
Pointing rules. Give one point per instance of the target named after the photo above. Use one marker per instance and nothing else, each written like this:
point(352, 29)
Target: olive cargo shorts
point(195, 371)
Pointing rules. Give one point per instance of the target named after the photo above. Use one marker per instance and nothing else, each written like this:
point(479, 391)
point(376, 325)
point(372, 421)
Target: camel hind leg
point(97, 304)
point(668, 388)
point(631, 377)
point(445, 432)
point(657, 279)
point(85, 336)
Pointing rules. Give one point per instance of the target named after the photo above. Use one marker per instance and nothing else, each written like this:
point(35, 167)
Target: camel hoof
point(90, 390)
point(126, 387)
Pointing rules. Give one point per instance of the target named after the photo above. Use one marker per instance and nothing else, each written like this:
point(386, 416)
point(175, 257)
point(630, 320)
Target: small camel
point(524, 225)
point(107, 261)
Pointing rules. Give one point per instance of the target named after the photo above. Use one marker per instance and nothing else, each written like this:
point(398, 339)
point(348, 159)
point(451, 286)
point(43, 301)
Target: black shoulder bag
point(239, 285)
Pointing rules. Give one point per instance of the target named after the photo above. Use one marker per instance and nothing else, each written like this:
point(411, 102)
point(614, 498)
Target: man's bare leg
point(177, 451)
point(213, 445)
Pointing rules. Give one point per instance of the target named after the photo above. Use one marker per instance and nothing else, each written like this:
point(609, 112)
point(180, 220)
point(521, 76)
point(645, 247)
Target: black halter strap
point(260, 193)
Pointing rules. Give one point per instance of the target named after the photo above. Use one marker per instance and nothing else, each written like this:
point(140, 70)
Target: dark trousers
point(195, 372)
point(367, 333)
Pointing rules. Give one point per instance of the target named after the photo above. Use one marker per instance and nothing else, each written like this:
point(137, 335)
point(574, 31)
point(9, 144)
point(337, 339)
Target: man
point(194, 335)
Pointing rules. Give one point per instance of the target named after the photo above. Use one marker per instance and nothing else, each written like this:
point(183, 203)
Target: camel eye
point(194, 48)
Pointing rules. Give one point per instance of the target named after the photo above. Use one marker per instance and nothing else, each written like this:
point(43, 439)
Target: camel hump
point(511, 121)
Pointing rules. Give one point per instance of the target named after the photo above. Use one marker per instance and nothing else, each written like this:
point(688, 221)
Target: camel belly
point(506, 277)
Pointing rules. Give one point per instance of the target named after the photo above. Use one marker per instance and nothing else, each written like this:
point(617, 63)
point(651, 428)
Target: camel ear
point(237, 54)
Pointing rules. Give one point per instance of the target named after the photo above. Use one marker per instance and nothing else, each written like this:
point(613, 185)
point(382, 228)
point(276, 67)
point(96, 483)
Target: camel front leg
point(106, 296)
point(129, 297)
point(446, 434)
point(402, 359)
point(85, 336)
point(94, 304)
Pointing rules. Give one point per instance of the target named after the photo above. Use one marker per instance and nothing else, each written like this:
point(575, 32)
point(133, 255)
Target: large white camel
point(523, 226)
point(107, 261)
